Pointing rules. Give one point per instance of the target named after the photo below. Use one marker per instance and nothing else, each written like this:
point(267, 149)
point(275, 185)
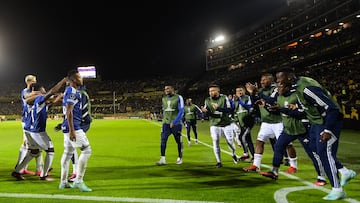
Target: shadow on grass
point(199, 175)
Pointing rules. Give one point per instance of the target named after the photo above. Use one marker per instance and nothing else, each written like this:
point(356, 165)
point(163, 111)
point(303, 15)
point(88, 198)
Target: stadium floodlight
point(219, 38)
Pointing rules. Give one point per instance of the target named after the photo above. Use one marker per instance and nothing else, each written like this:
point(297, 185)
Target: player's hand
point(251, 88)
point(214, 105)
point(260, 102)
point(293, 106)
point(171, 125)
point(274, 107)
point(203, 109)
point(72, 136)
point(324, 136)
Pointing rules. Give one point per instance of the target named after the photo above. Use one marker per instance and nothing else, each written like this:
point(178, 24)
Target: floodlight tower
point(212, 45)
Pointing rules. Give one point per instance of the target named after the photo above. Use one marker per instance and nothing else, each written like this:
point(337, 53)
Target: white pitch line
point(97, 198)
point(280, 195)
point(346, 142)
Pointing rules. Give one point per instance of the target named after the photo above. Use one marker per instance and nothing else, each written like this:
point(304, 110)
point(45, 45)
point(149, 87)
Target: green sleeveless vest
point(218, 118)
point(265, 115)
point(311, 111)
point(190, 112)
point(240, 111)
point(292, 126)
point(170, 108)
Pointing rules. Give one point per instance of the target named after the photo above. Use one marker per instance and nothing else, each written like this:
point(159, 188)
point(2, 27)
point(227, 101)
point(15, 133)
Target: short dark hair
point(35, 87)
point(268, 75)
point(72, 72)
point(213, 85)
point(286, 69)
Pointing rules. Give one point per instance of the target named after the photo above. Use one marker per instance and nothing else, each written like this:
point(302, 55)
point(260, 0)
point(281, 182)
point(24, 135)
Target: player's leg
point(43, 140)
point(194, 128)
point(65, 161)
point(249, 122)
point(83, 144)
point(188, 129)
point(291, 152)
point(237, 131)
point(164, 135)
point(311, 152)
point(49, 157)
point(229, 136)
point(29, 156)
point(176, 131)
point(346, 174)
point(33, 151)
point(215, 133)
point(265, 133)
point(74, 161)
point(39, 162)
point(277, 130)
point(244, 144)
point(327, 153)
point(281, 143)
point(249, 141)
point(22, 153)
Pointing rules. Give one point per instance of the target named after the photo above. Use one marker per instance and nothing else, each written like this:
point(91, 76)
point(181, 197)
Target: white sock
point(162, 159)
point(47, 164)
point(65, 162)
point(257, 160)
point(22, 153)
point(216, 149)
point(39, 162)
point(293, 162)
point(83, 159)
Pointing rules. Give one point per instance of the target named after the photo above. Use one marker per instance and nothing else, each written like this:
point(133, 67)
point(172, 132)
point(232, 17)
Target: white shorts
point(269, 130)
point(80, 142)
point(236, 129)
point(39, 140)
point(227, 131)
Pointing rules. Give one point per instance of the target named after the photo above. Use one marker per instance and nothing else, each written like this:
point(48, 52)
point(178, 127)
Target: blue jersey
point(25, 107)
point(72, 96)
point(38, 115)
point(85, 108)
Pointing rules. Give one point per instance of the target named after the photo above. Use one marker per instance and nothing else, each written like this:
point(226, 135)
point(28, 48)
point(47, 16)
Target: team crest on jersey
point(72, 96)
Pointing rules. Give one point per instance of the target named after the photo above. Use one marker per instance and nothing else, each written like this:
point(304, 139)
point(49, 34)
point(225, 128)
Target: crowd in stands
point(341, 78)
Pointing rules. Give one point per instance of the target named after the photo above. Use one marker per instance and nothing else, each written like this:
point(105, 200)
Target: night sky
point(145, 38)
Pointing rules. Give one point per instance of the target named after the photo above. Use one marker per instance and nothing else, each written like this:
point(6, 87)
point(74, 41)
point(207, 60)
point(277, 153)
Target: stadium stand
point(321, 40)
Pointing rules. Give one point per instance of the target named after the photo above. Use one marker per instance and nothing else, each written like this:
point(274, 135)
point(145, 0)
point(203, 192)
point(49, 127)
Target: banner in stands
point(351, 119)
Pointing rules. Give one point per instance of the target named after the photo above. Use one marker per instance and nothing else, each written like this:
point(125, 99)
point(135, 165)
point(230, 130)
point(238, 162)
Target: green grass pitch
point(122, 169)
